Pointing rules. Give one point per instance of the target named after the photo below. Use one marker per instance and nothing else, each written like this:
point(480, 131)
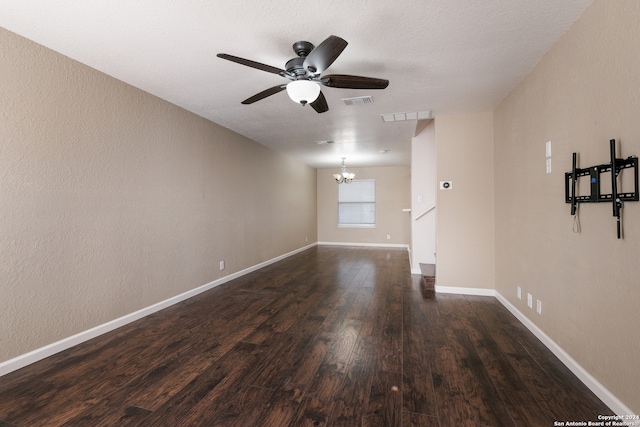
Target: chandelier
point(344, 176)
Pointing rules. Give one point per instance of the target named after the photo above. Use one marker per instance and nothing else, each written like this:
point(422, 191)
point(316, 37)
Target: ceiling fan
point(305, 70)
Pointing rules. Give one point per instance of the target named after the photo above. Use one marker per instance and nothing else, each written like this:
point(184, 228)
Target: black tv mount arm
point(596, 196)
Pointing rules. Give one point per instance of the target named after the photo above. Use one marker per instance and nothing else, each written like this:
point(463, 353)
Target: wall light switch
point(530, 300)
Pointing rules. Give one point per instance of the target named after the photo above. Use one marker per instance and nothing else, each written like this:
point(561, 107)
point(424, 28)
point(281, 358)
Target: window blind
point(357, 203)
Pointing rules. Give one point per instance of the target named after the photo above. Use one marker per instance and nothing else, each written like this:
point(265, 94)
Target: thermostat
point(446, 185)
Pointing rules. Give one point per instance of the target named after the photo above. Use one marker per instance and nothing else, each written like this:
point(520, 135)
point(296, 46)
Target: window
point(357, 203)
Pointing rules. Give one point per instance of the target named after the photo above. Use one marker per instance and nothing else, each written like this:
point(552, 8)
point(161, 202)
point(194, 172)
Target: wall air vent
point(358, 100)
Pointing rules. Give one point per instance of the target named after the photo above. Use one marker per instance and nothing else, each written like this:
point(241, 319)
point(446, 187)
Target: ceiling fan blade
point(264, 94)
point(324, 54)
point(320, 104)
point(353, 82)
point(252, 64)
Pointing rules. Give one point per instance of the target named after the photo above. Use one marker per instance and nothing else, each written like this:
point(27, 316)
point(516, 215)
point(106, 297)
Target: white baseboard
point(465, 291)
point(369, 245)
point(594, 385)
point(58, 346)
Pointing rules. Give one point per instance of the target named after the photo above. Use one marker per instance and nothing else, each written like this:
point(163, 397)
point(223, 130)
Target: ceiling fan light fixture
point(303, 91)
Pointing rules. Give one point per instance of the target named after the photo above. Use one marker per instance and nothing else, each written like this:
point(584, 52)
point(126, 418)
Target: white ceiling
point(448, 56)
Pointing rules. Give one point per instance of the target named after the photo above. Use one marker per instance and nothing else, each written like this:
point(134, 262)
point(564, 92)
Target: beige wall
point(393, 187)
point(584, 92)
point(464, 214)
point(113, 200)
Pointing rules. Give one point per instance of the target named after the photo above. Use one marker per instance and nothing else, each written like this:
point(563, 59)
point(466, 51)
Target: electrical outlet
point(388, 236)
point(539, 306)
point(221, 265)
point(519, 292)
point(530, 300)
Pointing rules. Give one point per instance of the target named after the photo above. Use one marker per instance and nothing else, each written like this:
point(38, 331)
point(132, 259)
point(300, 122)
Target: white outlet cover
point(530, 300)
point(519, 292)
point(539, 306)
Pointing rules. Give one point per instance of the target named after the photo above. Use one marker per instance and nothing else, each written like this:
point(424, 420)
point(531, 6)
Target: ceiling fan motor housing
point(302, 48)
point(295, 67)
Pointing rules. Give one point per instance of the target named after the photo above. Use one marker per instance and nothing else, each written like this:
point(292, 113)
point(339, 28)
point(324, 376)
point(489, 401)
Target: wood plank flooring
point(333, 336)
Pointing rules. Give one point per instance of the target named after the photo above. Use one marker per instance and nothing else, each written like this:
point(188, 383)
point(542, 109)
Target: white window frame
point(347, 197)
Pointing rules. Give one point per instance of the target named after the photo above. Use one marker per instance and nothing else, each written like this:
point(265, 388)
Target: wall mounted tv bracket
point(594, 172)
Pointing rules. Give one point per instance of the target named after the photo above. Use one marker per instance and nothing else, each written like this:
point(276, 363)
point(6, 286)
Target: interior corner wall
point(583, 93)
point(113, 200)
point(393, 194)
point(465, 213)
point(423, 198)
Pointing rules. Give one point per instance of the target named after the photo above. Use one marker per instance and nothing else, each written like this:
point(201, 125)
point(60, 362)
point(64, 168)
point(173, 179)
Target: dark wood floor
point(333, 336)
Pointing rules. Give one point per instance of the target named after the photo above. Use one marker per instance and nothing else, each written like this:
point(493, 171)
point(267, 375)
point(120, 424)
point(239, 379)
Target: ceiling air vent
point(358, 101)
point(400, 117)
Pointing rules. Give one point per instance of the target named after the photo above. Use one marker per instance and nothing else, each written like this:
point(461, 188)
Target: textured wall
point(393, 193)
point(112, 200)
point(585, 91)
point(465, 215)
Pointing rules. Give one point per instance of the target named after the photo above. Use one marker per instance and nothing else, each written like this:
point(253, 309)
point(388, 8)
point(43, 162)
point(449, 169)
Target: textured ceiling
point(448, 56)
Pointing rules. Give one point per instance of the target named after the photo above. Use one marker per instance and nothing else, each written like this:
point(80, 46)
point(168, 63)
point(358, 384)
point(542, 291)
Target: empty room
point(322, 214)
